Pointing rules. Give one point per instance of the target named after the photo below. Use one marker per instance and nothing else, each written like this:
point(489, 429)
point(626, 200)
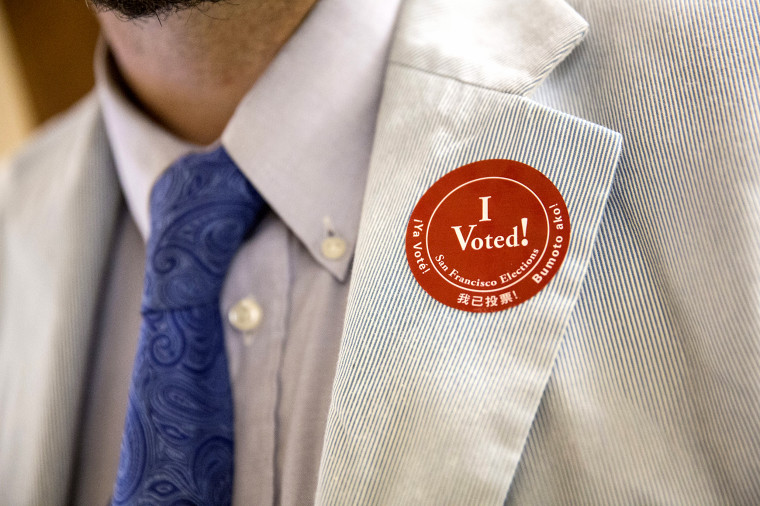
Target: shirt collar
point(305, 147)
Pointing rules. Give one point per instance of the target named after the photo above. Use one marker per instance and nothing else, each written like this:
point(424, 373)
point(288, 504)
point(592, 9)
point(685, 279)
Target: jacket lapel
point(59, 225)
point(432, 405)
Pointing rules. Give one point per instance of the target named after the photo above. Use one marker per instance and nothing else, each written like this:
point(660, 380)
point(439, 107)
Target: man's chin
point(135, 9)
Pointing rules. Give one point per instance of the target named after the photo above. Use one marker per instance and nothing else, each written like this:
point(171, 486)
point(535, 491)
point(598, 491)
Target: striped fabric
point(58, 206)
point(633, 377)
point(655, 397)
point(437, 379)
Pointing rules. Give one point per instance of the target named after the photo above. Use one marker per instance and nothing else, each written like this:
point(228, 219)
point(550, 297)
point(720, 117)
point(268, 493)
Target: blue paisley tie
point(178, 436)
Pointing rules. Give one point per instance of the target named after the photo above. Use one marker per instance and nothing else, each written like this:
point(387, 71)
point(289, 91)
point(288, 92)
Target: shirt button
point(333, 247)
point(245, 315)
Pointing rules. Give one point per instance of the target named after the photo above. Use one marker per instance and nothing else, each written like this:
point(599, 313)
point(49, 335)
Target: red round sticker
point(488, 235)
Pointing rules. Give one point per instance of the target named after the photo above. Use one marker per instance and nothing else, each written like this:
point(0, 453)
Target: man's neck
point(189, 70)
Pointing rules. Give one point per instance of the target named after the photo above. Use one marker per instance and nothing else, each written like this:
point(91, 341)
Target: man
point(631, 377)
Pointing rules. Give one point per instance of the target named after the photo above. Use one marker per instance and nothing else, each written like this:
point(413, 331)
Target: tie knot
point(201, 209)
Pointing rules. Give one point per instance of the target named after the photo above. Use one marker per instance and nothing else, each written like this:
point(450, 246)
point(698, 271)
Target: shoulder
point(61, 145)
point(54, 143)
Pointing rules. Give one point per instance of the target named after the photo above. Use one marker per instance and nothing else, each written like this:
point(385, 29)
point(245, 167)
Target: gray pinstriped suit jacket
point(631, 379)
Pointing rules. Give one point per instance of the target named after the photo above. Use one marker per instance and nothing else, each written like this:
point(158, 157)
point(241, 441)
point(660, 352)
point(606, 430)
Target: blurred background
point(46, 49)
